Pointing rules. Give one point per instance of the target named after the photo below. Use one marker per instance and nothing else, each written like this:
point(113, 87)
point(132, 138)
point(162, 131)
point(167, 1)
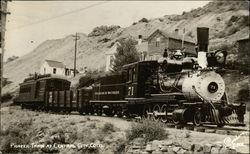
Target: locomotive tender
point(169, 90)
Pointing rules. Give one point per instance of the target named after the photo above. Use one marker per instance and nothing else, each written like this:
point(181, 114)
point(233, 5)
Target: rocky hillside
point(228, 21)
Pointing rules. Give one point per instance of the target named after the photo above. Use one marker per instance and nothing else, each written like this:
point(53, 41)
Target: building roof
point(53, 63)
point(172, 35)
point(143, 47)
point(243, 39)
point(113, 49)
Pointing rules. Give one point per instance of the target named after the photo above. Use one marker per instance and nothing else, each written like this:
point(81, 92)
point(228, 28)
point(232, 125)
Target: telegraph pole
point(3, 12)
point(182, 42)
point(76, 39)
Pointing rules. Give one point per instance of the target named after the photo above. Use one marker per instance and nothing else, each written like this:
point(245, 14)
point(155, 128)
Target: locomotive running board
point(105, 101)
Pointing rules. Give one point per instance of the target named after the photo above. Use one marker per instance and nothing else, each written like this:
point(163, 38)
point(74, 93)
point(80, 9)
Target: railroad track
point(226, 130)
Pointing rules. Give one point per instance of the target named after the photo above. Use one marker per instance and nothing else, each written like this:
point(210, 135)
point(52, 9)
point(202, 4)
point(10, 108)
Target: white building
point(110, 56)
point(52, 67)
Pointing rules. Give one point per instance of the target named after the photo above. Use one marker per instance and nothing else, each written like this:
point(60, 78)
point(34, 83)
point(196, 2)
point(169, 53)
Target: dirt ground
point(25, 127)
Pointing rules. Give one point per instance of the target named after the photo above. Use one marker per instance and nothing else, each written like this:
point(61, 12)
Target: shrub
point(104, 40)
point(144, 20)
point(187, 134)
point(190, 34)
point(90, 77)
point(5, 82)
point(6, 97)
point(134, 23)
point(10, 59)
point(150, 130)
point(218, 18)
point(227, 46)
point(161, 19)
point(72, 123)
point(102, 30)
point(121, 145)
point(243, 95)
point(108, 127)
point(92, 125)
point(16, 135)
point(232, 30)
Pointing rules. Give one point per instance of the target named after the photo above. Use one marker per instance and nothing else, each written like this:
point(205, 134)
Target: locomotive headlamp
point(220, 57)
point(216, 58)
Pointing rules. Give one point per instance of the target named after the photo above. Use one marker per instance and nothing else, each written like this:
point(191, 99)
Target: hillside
point(228, 21)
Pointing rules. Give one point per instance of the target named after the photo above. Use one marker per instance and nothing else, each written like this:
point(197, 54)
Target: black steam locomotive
point(170, 90)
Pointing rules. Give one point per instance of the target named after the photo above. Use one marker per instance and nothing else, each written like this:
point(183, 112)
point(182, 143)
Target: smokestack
point(139, 39)
point(202, 42)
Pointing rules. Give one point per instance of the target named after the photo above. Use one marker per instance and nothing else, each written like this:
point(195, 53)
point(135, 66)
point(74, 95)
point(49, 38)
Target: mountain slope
point(228, 21)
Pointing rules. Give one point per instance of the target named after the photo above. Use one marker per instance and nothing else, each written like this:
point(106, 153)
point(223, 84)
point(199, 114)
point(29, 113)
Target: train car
point(33, 90)
point(108, 95)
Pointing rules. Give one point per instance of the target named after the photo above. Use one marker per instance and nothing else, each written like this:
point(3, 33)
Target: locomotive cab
point(137, 75)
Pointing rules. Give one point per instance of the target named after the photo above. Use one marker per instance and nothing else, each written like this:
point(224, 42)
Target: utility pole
point(76, 39)
point(182, 42)
point(4, 12)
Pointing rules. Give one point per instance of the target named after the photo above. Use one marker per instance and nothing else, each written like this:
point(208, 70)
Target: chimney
point(139, 39)
point(202, 42)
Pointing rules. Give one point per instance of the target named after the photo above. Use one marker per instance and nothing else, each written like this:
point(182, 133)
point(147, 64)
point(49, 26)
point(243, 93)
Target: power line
point(61, 15)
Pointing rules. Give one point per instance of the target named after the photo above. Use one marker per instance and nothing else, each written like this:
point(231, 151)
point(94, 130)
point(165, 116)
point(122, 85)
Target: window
point(112, 60)
point(130, 74)
point(157, 43)
point(44, 70)
point(134, 75)
point(54, 70)
point(25, 89)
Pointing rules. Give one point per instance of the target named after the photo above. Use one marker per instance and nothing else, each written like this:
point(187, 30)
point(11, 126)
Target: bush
point(150, 130)
point(230, 47)
point(134, 23)
point(92, 125)
point(232, 30)
point(144, 20)
point(16, 135)
point(190, 34)
point(243, 95)
point(104, 40)
point(90, 77)
point(12, 58)
point(5, 82)
point(102, 30)
point(161, 19)
point(6, 97)
point(121, 146)
point(108, 127)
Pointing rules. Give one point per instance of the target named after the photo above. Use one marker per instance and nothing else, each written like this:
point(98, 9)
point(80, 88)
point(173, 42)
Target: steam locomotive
point(168, 90)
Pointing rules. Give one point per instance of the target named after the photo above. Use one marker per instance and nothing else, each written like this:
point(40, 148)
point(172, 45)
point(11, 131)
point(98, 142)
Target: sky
point(33, 22)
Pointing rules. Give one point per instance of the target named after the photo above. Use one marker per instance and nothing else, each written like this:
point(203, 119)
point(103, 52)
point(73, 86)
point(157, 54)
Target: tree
point(126, 54)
